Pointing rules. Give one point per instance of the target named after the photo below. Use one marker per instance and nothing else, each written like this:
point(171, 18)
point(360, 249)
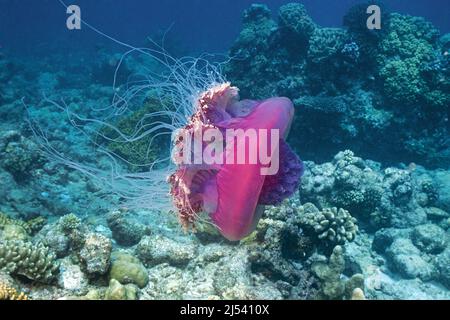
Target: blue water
point(199, 25)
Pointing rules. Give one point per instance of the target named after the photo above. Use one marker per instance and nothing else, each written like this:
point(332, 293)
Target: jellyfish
point(193, 97)
point(232, 193)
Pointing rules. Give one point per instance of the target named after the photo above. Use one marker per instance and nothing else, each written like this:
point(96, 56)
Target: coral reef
point(378, 198)
point(142, 153)
point(407, 46)
point(360, 85)
point(295, 26)
point(67, 234)
point(26, 228)
point(357, 228)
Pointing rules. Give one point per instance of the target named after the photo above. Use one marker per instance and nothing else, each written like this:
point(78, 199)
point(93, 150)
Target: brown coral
point(9, 293)
point(32, 226)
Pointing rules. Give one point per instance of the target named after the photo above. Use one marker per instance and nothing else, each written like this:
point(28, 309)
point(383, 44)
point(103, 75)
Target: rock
point(126, 268)
point(94, 294)
point(96, 253)
point(117, 291)
point(358, 255)
point(72, 278)
point(410, 218)
point(125, 231)
point(401, 289)
point(383, 238)
point(442, 263)
point(55, 239)
point(405, 259)
point(158, 249)
point(429, 238)
point(442, 179)
point(234, 270)
point(436, 214)
point(212, 253)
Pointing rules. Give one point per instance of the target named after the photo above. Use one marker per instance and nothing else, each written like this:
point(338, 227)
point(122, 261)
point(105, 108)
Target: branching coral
point(69, 222)
point(70, 227)
point(34, 261)
point(330, 226)
point(335, 226)
point(9, 293)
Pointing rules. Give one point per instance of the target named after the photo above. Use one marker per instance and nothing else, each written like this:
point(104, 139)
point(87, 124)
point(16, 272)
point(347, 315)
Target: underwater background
point(370, 219)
